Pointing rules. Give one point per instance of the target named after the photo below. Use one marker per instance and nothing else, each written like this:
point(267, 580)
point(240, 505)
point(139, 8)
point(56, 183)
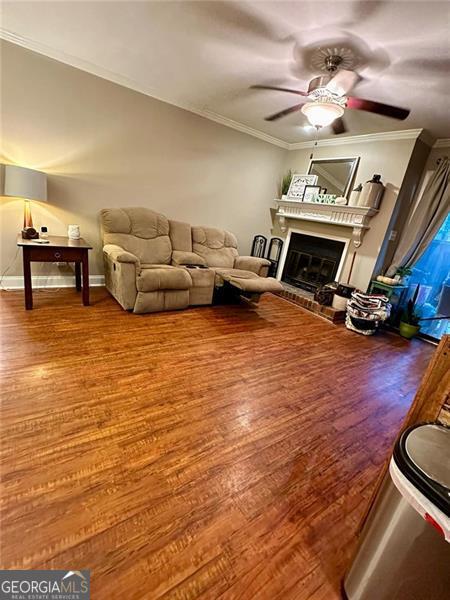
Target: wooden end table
point(59, 249)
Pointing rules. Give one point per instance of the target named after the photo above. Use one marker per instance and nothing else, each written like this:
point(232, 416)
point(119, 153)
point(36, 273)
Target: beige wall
point(390, 159)
point(105, 145)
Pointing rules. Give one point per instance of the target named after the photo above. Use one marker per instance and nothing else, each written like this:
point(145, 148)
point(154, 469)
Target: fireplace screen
point(311, 261)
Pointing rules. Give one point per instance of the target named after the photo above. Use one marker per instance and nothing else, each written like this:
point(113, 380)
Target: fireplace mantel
point(356, 217)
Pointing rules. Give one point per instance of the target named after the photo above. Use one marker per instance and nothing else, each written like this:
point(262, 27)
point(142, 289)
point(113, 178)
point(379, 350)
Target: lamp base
point(29, 233)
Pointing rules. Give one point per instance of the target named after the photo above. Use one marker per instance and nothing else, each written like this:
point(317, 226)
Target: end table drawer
point(43, 254)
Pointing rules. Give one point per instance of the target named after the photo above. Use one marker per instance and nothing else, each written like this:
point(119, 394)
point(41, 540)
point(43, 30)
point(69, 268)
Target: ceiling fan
point(326, 99)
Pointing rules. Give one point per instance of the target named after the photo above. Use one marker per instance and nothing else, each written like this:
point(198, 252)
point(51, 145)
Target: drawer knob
point(57, 254)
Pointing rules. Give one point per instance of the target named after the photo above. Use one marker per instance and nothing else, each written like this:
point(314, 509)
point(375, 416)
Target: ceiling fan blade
point(280, 89)
point(395, 112)
point(343, 82)
point(283, 113)
point(338, 126)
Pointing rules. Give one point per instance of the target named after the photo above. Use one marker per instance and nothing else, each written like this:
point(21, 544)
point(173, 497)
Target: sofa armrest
point(180, 258)
point(121, 269)
point(257, 265)
point(118, 254)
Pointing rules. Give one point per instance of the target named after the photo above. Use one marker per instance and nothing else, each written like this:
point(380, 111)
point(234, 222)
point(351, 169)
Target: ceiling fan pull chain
point(316, 142)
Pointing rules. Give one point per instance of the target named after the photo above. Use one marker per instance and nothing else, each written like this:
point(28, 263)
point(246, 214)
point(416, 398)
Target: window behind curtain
point(432, 272)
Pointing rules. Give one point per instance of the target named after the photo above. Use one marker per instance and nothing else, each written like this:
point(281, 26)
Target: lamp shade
point(23, 183)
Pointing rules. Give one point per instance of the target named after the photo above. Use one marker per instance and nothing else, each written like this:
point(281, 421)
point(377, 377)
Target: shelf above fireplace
point(356, 217)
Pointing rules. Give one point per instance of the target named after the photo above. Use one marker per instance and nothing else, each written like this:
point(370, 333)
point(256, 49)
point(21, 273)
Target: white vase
point(73, 232)
point(354, 198)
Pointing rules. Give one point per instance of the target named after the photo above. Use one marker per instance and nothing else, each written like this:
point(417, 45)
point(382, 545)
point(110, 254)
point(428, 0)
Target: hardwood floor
point(218, 452)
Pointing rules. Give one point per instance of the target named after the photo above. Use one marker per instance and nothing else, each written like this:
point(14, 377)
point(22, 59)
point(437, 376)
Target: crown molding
point(239, 127)
point(93, 69)
point(442, 143)
point(405, 134)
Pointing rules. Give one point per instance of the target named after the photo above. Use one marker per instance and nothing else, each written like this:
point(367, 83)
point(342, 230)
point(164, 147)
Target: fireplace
point(311, 261)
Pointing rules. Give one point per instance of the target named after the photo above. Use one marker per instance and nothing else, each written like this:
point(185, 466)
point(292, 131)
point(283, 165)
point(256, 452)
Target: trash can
point(404, 549)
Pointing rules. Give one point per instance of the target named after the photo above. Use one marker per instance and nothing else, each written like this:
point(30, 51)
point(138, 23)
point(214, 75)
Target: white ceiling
point(203, 56)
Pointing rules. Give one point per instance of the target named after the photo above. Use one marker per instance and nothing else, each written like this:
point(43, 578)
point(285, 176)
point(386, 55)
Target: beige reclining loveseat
point(154, 264)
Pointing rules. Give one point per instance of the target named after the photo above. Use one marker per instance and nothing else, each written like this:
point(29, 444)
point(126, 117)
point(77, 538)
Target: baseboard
point(15, 282)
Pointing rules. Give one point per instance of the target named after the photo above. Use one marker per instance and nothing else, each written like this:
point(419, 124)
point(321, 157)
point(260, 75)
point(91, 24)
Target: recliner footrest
point(249, 282)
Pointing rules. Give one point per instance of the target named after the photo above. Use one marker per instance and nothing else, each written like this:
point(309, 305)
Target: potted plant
point(409, 321)
point(402, 274)
point(285, 183)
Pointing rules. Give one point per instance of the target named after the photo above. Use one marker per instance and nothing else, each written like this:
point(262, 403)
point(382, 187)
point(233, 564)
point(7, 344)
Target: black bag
point(324, 295)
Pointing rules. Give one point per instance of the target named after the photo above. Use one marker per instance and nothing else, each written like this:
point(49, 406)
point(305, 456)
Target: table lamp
point(28, 184)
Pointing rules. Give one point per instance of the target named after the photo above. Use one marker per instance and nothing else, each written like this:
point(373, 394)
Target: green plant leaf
point(285, 182)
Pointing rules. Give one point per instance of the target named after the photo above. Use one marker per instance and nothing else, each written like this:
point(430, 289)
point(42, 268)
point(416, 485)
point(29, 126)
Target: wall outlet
point(393, 235)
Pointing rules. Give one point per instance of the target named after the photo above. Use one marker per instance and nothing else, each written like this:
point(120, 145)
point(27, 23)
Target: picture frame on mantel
point(298, 184)
point(311, 192)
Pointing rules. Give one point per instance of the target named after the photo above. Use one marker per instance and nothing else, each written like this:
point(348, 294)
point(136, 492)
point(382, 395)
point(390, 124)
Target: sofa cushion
point(187, 258)
point(140, 231)
point(162, 277)
point(216, 246)
point(180, 236)
point(139, 221)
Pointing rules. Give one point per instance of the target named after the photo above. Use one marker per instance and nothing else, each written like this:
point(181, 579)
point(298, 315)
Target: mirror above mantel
point(336, 175)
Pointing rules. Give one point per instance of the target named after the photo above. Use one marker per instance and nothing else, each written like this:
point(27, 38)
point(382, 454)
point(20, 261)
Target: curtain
point(425, 221)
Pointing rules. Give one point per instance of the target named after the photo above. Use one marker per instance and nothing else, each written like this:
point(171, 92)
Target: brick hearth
point(306, 300)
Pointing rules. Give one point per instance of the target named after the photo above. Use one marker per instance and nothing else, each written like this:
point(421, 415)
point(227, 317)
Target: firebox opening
point(311, 261)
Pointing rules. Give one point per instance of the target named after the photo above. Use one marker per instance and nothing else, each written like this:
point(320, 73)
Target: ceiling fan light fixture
point(321, 114)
